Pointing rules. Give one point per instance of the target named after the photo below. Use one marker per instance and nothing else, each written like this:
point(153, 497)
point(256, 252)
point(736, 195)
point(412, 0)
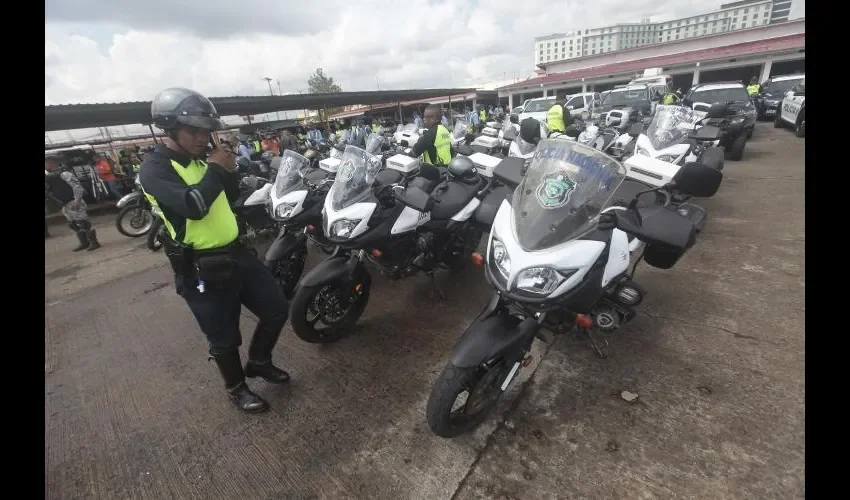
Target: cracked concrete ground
point(133, 409)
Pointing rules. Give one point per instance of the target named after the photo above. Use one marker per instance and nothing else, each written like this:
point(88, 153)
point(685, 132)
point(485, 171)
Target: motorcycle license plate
point(769, 112)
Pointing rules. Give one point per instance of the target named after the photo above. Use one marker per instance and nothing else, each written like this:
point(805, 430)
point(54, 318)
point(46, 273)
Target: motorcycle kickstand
point(596, 348)
point(435, 287)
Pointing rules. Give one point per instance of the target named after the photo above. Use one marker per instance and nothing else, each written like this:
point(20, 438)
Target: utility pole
point(271, 92)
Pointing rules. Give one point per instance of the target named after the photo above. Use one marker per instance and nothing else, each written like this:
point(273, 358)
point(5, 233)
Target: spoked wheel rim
point(478, 396)
point(139, 221)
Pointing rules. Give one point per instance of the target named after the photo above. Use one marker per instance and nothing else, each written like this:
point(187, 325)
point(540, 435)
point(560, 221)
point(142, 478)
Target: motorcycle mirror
point(698, 179)
point(607, 221)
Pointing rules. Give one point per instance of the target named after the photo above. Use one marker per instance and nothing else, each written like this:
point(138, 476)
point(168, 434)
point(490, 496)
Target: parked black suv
point(740, 120)
point(772, 92)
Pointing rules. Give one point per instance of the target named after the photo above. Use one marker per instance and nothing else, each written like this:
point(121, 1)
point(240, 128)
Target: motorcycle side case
point(485, 214)
point(496, 334)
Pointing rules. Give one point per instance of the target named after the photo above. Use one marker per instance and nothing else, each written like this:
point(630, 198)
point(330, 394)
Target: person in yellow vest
point(753, 88)
point(435, 145)
point(258, 147)
point(213, 273)
point(555, 117)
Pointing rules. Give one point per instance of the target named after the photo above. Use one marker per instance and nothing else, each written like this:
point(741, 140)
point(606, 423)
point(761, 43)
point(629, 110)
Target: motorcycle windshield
point(409, 129)
point(353, 182)
point(374, 143)
point(565, 188)
point(289, 173)
point(671, 125)
point(461, 126)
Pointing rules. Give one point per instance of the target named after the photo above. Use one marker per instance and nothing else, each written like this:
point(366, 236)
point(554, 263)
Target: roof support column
point(765, 69)
point(510, 102)
point(583, 86)
point(545, 91)
point(695, 81)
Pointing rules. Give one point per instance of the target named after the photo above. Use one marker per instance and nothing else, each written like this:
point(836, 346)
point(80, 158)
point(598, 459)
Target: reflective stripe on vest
point(443, 145)
point(217, 229)
point(555, 119)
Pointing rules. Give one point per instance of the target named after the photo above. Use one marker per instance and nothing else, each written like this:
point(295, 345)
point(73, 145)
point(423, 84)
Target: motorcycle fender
point(491, 336)
point(332, 269)
point(127, 198)
point(283, 245)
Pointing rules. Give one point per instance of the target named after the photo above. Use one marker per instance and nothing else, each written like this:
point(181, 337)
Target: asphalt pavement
point(715, 357)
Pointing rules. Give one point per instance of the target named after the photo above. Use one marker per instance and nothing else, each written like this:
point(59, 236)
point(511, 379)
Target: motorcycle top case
point(330, 165)
point(649, 170)
point(487, 142)
point(403, 163)
point(485, 163)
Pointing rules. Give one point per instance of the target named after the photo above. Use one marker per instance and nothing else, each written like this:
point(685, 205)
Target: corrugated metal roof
point(74, 116)
point(728, 51)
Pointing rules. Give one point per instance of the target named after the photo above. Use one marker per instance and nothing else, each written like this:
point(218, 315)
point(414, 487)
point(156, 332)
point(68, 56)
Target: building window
point(743, 25)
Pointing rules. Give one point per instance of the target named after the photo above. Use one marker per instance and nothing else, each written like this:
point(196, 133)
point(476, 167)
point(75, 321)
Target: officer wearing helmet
point(214, 274)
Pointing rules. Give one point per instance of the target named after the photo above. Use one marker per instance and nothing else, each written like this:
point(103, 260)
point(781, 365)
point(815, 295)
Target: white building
point(733, 16)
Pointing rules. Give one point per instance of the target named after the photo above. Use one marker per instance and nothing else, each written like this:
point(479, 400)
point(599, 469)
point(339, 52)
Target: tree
point(319, 83)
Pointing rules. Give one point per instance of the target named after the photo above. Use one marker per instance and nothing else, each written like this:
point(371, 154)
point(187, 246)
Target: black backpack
point(57, 188)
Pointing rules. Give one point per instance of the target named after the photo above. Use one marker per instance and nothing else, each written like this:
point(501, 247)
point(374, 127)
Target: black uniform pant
point(218, 310)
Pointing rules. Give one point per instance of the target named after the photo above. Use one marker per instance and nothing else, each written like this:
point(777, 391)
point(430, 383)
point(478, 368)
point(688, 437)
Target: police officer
point(62, 187)
point(753, 88)
point(435, 145)
point(213, 273)
point(555, 117)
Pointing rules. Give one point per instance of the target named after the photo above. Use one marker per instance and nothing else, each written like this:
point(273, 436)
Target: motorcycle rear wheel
point(315, 303)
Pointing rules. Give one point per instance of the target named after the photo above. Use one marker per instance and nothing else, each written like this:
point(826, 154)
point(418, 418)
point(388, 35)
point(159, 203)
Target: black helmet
point(529, 130)
point(461, 167)
point(514, 118)
point(183, 106)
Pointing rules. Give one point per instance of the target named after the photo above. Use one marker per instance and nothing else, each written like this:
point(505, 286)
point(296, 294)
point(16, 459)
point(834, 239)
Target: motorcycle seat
point(452, 195)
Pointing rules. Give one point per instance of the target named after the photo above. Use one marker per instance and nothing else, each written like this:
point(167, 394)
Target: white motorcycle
point(676, 137)
point(430, 222)
point(559, 256)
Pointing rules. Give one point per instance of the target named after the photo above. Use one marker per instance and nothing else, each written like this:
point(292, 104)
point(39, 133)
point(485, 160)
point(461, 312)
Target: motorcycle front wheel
point(477, 389)
point(335, 306)
point(134, 221)
point(289, 268)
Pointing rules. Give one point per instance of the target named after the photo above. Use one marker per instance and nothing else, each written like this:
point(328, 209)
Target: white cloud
point(99, 51)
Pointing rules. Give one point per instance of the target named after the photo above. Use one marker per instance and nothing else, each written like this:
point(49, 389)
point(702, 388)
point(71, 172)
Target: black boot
point(93, 243)
point(234, 381)
point(84, 240)
point(269, 372)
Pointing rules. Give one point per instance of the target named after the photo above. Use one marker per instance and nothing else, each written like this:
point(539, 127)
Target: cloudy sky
point(121, 50)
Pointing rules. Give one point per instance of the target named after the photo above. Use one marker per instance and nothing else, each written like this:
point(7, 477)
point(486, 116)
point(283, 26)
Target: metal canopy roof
point(74, 116)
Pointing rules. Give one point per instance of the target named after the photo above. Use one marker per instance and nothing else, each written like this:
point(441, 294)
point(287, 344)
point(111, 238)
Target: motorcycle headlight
point(500, 257)
point(284, 210)
point(737, 120)
point(343, 228)
point(541, 280)
point(771, 102)
point(667, 158)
